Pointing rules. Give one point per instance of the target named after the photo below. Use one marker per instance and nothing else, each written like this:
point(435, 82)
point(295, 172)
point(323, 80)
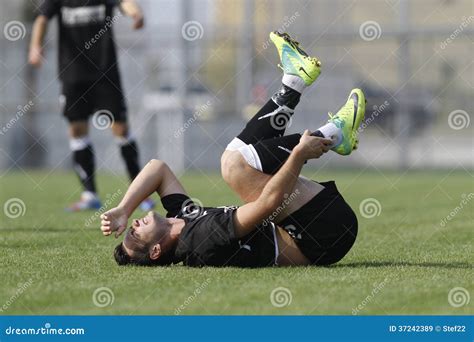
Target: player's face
point(147, 230)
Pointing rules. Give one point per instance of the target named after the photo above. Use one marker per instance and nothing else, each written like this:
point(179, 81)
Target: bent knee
point(232, 164)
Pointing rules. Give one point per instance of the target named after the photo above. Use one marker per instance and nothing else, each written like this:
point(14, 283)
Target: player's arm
point(131, 9)
point(155, 176)
point(40, 26)
point(251, 214)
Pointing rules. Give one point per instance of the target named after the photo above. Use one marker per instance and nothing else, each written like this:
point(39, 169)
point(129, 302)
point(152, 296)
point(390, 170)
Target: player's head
point(146, 243)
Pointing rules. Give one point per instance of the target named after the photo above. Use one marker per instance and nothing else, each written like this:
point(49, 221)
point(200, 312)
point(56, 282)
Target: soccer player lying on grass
point(319, 226)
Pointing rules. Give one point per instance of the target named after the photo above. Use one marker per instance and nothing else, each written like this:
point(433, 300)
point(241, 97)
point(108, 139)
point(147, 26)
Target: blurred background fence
point(200, 68)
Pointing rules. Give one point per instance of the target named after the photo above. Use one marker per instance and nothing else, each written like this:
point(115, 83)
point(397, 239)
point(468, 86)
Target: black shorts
point(82, 99)
point(325, 228)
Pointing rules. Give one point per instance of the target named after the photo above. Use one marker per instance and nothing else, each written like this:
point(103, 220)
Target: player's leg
point(77, 109)
point(299, 72)
point(269, 155)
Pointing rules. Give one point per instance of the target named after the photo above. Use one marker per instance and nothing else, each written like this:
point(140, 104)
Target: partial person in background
point(89, 73)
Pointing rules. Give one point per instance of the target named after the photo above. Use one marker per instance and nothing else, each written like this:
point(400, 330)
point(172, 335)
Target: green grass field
point(405, 260)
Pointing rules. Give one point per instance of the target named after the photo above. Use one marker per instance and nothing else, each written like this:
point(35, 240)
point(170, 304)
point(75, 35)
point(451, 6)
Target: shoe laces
point(316, 62)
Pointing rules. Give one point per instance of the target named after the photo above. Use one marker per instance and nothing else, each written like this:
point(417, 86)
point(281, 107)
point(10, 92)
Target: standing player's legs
point(76, 109)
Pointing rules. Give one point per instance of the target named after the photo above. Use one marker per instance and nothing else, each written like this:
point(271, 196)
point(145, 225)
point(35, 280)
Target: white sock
point(77, 144)
point(331, 131)
point(294, 82)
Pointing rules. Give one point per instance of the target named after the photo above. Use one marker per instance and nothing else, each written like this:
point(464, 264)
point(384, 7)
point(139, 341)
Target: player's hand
point(114, 220)
point(138, 21)
point(311, 147)
point(35, 57)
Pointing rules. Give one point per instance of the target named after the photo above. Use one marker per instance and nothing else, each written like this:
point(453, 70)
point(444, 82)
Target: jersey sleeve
point(174, 204)
point(49, 8)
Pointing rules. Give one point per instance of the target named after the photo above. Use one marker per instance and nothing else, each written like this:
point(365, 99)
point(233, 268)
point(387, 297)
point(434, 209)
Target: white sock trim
point(294, 82)
point(251, 156)
point(331, 131)
point(77, 144)
point(235, 144)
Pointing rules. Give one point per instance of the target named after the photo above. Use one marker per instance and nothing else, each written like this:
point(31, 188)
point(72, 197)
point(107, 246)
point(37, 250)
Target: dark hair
point(122, 258)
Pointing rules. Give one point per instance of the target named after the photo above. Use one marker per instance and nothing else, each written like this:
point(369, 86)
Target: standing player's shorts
point(82, 99)
point(325, 228)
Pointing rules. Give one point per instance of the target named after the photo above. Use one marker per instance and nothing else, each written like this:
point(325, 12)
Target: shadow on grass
point(447, 265)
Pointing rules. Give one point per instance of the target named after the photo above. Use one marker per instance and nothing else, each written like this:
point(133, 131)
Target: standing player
point(90, 79)
point(314, 224)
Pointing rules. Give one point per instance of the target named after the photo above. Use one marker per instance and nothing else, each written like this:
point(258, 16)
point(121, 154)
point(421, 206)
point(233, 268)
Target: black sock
point(272, 119)
point(130, 156)
point(274, 152)
point(84, 165)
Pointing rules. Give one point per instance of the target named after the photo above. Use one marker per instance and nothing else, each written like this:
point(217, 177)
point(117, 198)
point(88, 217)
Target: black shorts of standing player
point(82, 99)
point(325, 228)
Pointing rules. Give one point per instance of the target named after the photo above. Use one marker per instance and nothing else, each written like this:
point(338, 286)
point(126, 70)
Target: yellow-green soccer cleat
point(295, 61)
point(348, 119)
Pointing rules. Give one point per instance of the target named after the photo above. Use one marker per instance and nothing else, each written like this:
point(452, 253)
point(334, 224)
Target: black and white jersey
point(86, 43)
point(208, 238)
